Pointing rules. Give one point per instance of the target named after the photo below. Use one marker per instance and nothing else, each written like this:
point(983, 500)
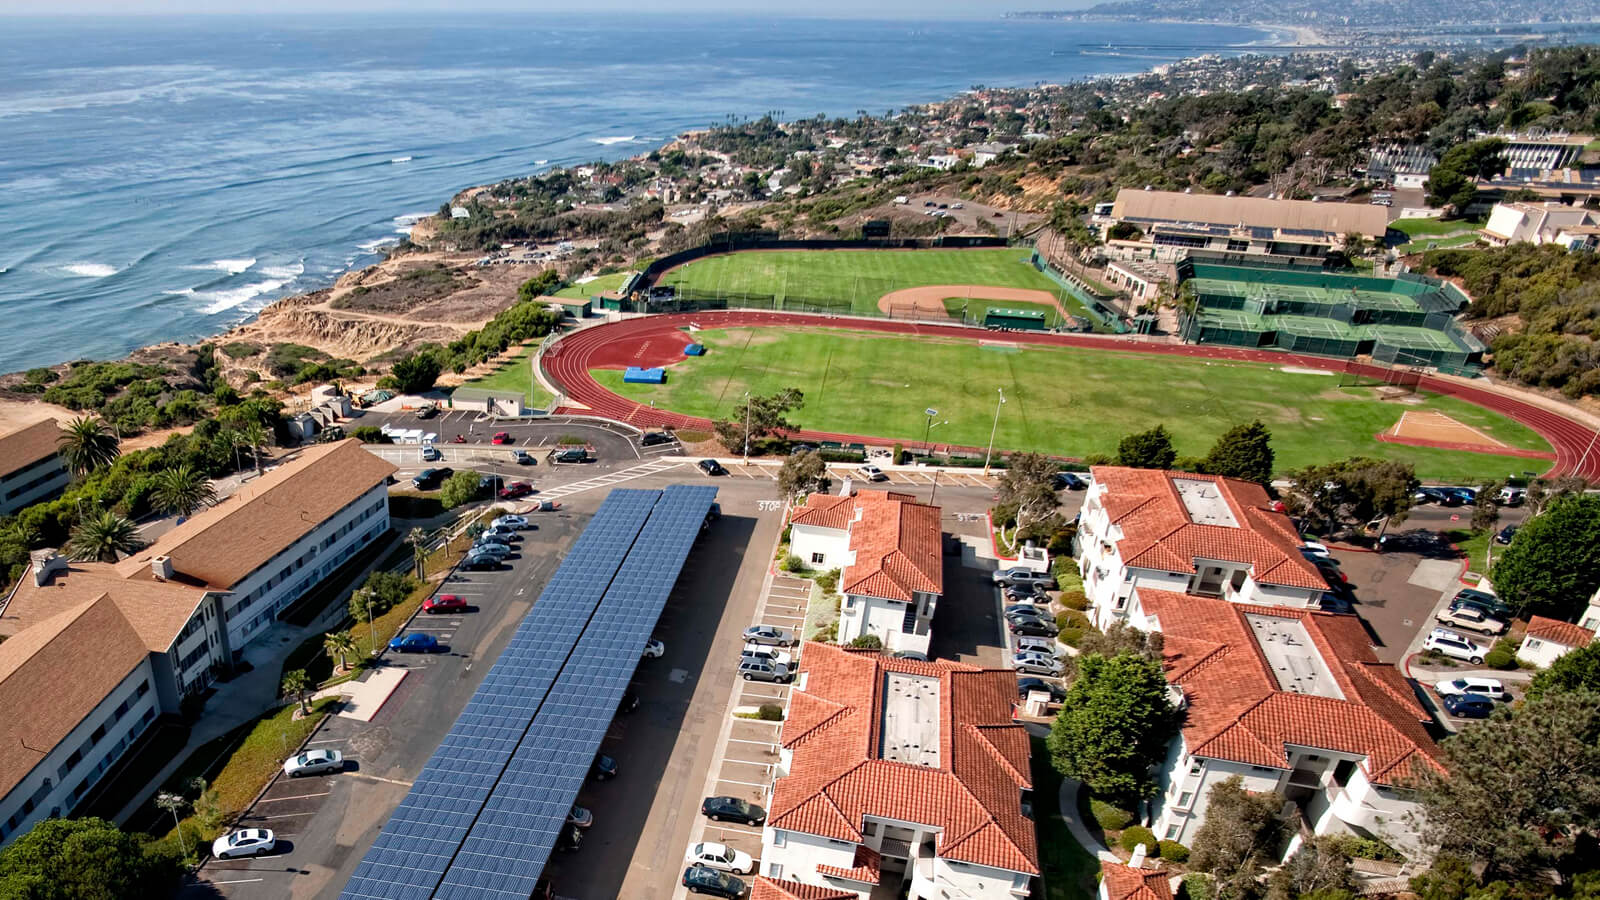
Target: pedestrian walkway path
point(610, 479)
point(363, 699)
point(1080, 831)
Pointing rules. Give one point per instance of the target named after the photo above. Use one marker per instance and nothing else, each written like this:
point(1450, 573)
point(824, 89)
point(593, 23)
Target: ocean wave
point(400, 159)
point(231, 266)
point(541, 162)
point(608, 141)
point(373, 245)
point(186, 292)
point(290, 272)
point(88, 270)
point(222, 301)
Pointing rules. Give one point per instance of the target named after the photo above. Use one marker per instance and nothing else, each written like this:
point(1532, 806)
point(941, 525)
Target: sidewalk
point(1080, 831)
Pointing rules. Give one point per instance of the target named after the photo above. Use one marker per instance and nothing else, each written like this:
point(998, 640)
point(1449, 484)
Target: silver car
point(494, 548)
point(769, 634)
point(754, 668)
point(1036, 663)
point(1044, 645)
point(1024, 577)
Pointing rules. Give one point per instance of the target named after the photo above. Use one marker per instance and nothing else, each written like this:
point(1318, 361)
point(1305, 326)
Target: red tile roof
point(895, 540)
point(1236, 711)
point(836, 776)
point(867, 867)
point(825, 511)
point(773, 889)
point(1558, 632)
point(1157, 532)
point(1127, 883)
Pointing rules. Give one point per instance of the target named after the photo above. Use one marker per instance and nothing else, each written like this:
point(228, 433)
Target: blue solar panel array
point(526, 738)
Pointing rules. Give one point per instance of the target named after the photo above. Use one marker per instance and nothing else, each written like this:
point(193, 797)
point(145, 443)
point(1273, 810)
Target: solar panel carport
point(485, 812)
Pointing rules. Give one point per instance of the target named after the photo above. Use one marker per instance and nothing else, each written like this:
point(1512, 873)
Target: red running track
point(630, 341)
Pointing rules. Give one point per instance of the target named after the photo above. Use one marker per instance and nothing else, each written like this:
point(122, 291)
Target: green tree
point(83, 859)
point(254, 435)
point(765, 415)
point(1354, 491)
point(1114, 725)
point(181, 490)
point(1453, 180)
point(1243, 451)
point(418, 539)
point(1147, 450)
point(803, 473)
point(339, 645)
point(459, 489)
point(1578, 670)
point(1485, 511)
point(1522, 787)
point(104, 537)
point(1320, 868)
point(1553, 567)
point(539, 285)
point(87, 444)
point(1241, 832)
point(296, 684)
point(416, 372)
point(1026, 495)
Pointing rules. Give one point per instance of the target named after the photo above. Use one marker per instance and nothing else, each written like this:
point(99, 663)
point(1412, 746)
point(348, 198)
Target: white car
point(1478, 687)
point(720, 857)
point(1320, 551)
point(770, 654)
point(515, 523)
point(580, 817)
point(653, 649)
point(872, 473)
point(1036, 663)
point(1454, 645)
point(314, 762)
point(247, 842)
point(1026, 644)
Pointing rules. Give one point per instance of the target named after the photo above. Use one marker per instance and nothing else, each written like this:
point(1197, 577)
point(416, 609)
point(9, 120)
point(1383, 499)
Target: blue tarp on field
point(636, 375)
point(694, 350)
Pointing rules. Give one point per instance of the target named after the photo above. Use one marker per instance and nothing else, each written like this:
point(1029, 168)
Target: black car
point(1483, 600)
point(1506, 534)
point(1023, 593)
point(1068, 481)
point(732, 809)
point(1025, 609)
point(629, 703)
point(1468, 706)
point(1056, 692)
point(802, 448)
point(1032, 627)
point(711, 467)
point(482, 561)
point(429, 479)
point(701, 880)
point(604, 768)
point(570, 838)
point(652, 438)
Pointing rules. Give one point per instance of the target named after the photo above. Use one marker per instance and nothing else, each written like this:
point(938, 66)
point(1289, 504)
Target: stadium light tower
point(930, 412)
point(992, 429)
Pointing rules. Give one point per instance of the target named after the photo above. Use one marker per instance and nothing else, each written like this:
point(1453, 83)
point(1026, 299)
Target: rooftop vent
point(46, 563)
point(161, 568)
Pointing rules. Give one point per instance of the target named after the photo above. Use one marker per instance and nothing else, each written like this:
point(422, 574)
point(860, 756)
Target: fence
point(735, 242)
point(1106, 317)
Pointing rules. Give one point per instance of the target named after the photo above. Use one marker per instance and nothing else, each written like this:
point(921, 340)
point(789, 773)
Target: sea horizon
point(165, 179)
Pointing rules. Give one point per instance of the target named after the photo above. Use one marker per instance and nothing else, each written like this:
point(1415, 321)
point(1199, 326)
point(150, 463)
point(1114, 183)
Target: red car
point(444, 603)
point(516, 489)
point(501, 437)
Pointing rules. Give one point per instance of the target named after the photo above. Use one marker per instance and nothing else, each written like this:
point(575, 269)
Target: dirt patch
point(1427, 425)
point(410, 287)
point(928, 302)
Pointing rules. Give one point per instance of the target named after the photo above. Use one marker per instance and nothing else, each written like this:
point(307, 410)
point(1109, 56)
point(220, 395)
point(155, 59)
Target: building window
point(1185, 799)
point(1534, 643)
point(1172, 832)
point(774, 870)
point(817, 558)
point(1196, 766)
point(779, 838)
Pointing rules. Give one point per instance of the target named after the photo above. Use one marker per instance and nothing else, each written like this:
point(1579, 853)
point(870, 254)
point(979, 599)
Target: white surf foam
point(222, 301)
point(541, 162)
point(289, 272)
point(186, 292)
point(89, 270)
point(608, 141)
point(400, 159)
point(231, 266)
point(373, 245)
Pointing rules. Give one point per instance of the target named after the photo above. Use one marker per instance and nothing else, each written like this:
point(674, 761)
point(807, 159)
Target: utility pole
point(992, 429)
point(930, 412)
point(747, 427)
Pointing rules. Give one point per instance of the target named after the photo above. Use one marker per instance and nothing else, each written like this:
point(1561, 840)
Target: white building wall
point(795, 855)
point(1541, 653)
point(820, 548)
point(264, 593)
point(1186, 787)
point(860, 614)
point(81, 759)
point(32, 484)
point(200, 646)
point(952, 878)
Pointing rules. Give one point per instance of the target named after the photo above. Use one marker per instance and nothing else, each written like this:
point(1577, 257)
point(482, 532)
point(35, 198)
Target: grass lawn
point(1416, 228)
point(1474, 545)
point(1067, 870)
point(516, 374)
point(1067, 401)
point(588, 289)
point(1438, 243)
point(861, 276)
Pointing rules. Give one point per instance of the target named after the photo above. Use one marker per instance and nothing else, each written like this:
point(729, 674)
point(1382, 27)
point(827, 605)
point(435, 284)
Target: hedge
point(1110, 817)
point(1174, 851)
point(1503, 656)
point(1136, 835)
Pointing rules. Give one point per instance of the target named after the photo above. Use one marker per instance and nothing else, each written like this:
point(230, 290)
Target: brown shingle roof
point(1558, 632)
point(836, 777)
point(26, 446)
point(1212, 209)
point(157, 611)
point(219, 546)
point(54, 674)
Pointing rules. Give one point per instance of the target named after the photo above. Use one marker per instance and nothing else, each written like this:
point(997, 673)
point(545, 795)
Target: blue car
point(1468, 706)
point(416, 642)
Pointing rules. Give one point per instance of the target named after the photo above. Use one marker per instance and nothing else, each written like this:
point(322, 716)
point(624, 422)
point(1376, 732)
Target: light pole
point(372, 628)
point(992, 429)
point(930, 412)
point(747, 427)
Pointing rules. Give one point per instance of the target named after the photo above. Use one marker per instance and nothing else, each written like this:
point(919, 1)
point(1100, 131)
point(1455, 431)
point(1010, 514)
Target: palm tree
point(339, 644)
point(181, 490)
point(103, 537)
point(296, 684)
point(254, 435)
point(172, 803)
point(419, 549)
point(87, 444)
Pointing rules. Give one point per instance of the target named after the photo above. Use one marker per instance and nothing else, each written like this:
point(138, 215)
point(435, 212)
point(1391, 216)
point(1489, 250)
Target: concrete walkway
point(1080, 831)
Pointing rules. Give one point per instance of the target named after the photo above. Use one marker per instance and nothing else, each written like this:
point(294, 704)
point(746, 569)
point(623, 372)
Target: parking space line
point(763, 785)
point(328, 741)
point(240, 881)
point(311, 812)
point(720, 827)
point(296, 797)
point(757, 743)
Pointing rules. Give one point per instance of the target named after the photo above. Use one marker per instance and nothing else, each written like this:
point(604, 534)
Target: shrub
point(1173, 851)
point(1503, 656)
point(568, 440)
point(842, 456)
point(1367, 848)
point(1196, 887)
point(241, 349)
point(1060, 545)
point(867, 642)
point(1075, 600)
point(770, 712)
point(460, 488)
point(368, 434)
point(1136, 835)
point(1071, 618)
point(40, 375)
point(1070, 636)
point(829, 581)
point(792, 563)
point(827, 634)
point(1108, 816)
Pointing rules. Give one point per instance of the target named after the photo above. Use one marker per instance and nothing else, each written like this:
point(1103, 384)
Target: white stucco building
point(1194, 534)
point(31, 469)
point(1535, 223)
point(887, 548)
point(1547, 640)
point(95, 652)
point(1293, 702)
point(896, 775)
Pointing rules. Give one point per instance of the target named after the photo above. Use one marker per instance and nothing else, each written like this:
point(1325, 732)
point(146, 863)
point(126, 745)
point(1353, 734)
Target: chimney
point(1136, 861)
point(844, 486)
point(46, 563)
point(161, 567)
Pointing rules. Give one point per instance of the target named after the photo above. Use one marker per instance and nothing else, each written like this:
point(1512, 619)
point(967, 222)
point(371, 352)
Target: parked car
point(1317, 550)
point(802, 448)
point(501, 533)
point(430, 453)
point(415, 642)
point(732, 809)
point(1330, 571)
point(516, 490)
point(444, 603)
point(569, 838)
point(701, 880)
point(1465, 494)
point(720, 857)
point(245, 842)
point(314, 762)
point(570, 455)
point(756, 669)
point(653, 438)
point(603, 768)
point(515, 523)
point(1428, 495)
point(578, 817)
point(1455, 646)
point(871, 473)
point(912, 655)
point(1468, 706)
point(1506, 535)
point(1057, 693)
point(1511, 496)
point(628, 703)
point(1046, 646)
point(1025, 593)
point(476, 559)
point(1024, 576)
point(768, 653)
point(501, 437)
point(1036, 627)
point(1470, 618)
point(653, 649)
point(1025, 609)
point(430, 479)
point(427, 410)
point(769, 634)
point(1484, 600)
point(523, 458)
point(1336, 602)
point(1490, 688)
point(711, 467)
point(1036, 663)
point(491, 547)
point(1069, 481)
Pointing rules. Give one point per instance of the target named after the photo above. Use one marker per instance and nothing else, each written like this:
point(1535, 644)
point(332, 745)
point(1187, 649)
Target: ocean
point(166, 178)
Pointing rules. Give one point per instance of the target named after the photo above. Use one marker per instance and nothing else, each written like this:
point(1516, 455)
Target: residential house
point(31, 468)
point(1291, 701)
point(983, 154)
point(900, 778)
point(1196, 534)
point(1172, 225)
point(1547, 640)
point(94, 652)
point(887, 546)
point(1534, 223)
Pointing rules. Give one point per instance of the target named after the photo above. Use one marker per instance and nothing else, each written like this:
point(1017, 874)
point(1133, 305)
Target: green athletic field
point(1067, 401)
point(860, 276)
point(597, 285)
point(516, 374)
